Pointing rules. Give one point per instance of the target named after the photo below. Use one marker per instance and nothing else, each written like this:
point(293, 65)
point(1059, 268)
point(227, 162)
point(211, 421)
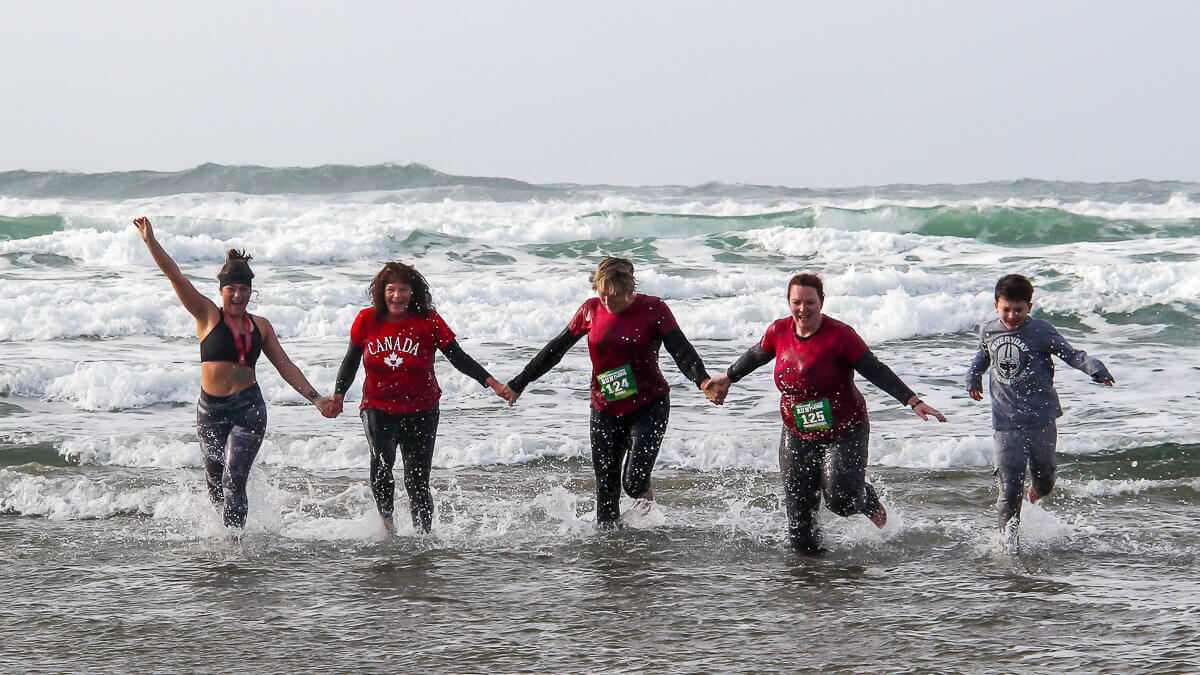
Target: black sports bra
point(218, 345)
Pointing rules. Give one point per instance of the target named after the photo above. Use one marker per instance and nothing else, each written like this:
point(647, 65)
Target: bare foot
point(879, 518)
point(642, 504)
point(389, 525)
point(1010, 537)
point(1034, 495)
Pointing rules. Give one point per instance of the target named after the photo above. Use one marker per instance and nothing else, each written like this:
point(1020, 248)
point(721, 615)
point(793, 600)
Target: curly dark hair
point(398, 272)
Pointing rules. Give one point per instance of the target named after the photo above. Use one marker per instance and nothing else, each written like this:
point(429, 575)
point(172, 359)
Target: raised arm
point(200, 307)
point(685, 356)
point(1078, 359)
point(471, 368)
point(541, 364)
point(288, 370)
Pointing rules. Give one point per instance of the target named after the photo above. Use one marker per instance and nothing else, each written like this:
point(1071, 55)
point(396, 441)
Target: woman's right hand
point(144, 228)
point(509, 394)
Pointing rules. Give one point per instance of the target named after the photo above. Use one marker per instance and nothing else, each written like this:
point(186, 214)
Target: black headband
point(239, 273)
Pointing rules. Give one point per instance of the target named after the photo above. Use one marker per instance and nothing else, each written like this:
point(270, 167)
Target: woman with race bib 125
point(823, 448)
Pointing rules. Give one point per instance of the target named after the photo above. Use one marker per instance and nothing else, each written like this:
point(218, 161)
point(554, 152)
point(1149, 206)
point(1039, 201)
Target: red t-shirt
point(815, 374)
point(398, 358)
point(624, 351)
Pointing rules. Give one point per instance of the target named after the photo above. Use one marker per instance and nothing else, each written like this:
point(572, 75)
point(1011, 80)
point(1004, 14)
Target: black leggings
point(835, 468)
point(415, 434)
point(231, 430)
point(635, 439)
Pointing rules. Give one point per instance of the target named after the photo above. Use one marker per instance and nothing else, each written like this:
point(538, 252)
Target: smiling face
point(805, 304)
point(234, 298)
point(1013, 312)
point(614, 298)
point(396, 296)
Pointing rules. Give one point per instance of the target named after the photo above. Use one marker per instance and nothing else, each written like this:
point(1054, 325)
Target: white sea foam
point(72, 498)
point(96, 337)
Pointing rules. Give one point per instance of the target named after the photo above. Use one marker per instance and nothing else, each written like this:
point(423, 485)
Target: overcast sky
point(821, 94)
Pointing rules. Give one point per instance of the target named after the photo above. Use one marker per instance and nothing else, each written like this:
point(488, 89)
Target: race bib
point(617, 383)
point(813, 415)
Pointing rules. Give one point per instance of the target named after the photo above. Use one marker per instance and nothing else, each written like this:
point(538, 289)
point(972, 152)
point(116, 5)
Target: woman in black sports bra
point(231, 416)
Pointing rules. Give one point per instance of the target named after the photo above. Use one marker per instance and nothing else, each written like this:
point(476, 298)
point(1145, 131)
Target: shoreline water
point(117, 557)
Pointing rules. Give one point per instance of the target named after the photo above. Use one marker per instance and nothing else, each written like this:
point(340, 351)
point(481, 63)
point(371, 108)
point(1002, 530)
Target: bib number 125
point(813, 415)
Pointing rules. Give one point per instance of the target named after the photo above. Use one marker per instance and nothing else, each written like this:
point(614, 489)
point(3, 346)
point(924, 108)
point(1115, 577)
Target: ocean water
point(114, 560)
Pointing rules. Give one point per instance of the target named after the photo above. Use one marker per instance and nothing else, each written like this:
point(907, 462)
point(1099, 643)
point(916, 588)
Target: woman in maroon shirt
point(630, 396)
point(823, 448)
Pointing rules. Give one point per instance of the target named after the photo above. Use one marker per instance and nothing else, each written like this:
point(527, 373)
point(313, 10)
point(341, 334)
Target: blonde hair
point(614, 272)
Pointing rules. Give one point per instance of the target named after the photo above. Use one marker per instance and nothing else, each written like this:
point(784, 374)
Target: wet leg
point(418, 435)
point(800, 465)
point(610, 437)
point(382, 438)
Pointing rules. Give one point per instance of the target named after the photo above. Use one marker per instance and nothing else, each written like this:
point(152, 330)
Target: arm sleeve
point(349, 369)
point(881, 376)
point(747, 363)
point(685, 356)
point(1077, 358)
point(546, 359)
point(465, 364)
point(979, 366)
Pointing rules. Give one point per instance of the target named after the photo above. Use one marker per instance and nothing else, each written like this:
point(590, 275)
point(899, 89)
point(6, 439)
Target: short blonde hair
point(614, 272)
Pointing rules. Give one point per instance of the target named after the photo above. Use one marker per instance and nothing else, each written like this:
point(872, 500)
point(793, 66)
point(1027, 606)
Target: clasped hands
point(717, 388)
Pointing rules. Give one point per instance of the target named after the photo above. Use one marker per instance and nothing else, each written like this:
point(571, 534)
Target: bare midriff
point(216, 378)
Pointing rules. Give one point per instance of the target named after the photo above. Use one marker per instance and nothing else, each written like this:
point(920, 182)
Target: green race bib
point(813, 415)
point(617, 383)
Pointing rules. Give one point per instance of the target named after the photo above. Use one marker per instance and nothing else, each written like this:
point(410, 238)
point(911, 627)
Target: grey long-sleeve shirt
point(1021, 383)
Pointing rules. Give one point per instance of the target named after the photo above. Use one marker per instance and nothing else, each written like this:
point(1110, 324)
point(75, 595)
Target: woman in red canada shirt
point(395, 339)
point(630, 396)
point(823, 448)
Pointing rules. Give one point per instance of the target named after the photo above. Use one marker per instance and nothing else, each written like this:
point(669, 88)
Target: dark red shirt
point(624, 350)
point(398, 359)
point(815, 373)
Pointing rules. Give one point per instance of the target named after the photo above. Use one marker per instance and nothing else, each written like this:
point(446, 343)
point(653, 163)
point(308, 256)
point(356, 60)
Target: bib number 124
point(617, 383)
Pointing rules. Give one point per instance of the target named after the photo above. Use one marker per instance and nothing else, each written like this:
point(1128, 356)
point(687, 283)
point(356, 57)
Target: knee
point(1044, 485)
point(415, 485)
point(841, 502)
point(234, 481)
point(842, 507)
point(381, 473)
point(1010, 492)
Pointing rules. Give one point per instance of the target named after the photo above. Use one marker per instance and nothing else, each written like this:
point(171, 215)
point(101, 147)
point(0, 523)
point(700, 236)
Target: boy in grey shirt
point(1024, 402)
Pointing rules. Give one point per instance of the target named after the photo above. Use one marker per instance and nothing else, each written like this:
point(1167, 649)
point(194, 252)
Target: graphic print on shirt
point(394, 349)
point(1011, 355)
